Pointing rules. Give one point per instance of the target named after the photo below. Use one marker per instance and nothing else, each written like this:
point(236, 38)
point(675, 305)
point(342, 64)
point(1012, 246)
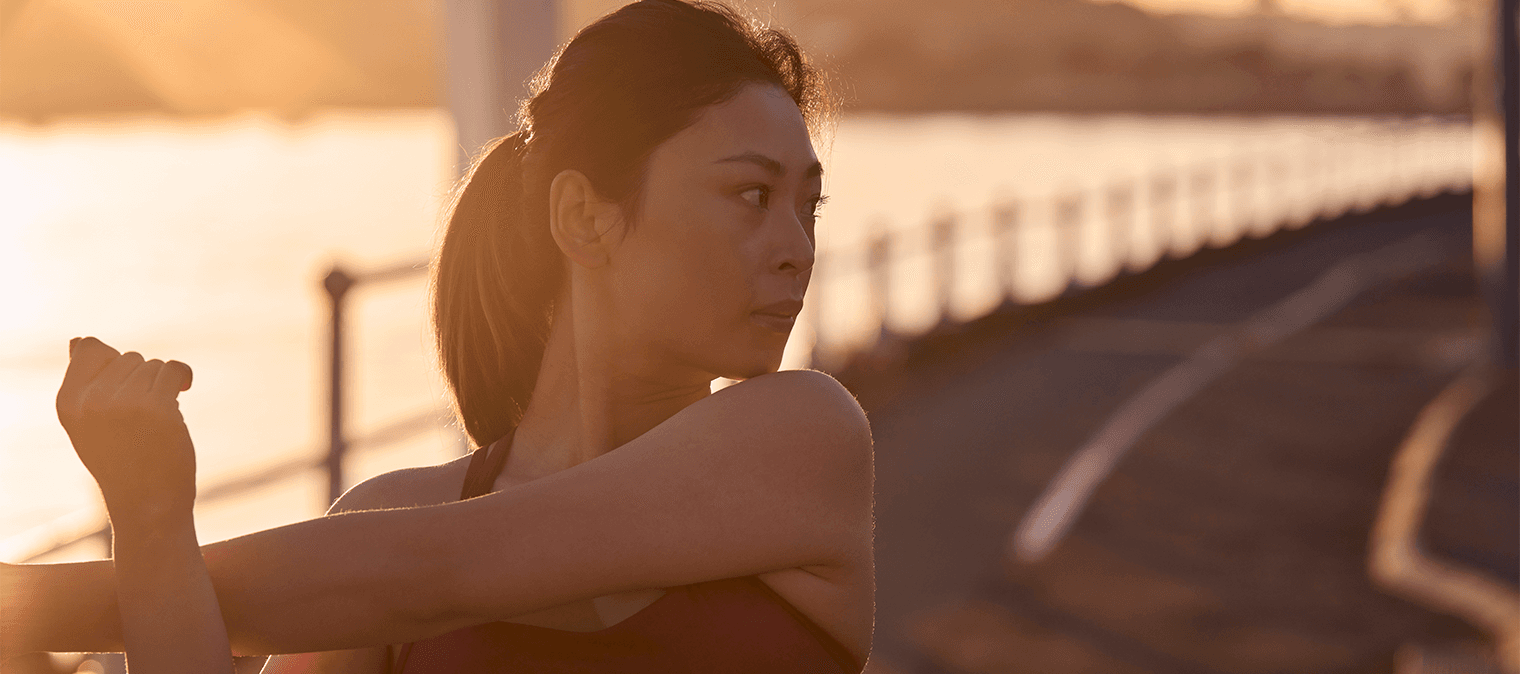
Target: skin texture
point(770, 477)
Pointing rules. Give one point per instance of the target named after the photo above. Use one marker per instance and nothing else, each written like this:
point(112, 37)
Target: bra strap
point(485, 465)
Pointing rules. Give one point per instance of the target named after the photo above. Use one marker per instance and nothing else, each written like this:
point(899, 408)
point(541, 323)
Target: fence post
point(337, 284)
point(1274, 194)
point(1121, 223)
point(1005, 220)
point(1201, 192)
point(943, 247)
point(1163, 194)
point(1068, 247)
point(812, 305)
point(1241, 200)
point(879, 271)
point(1315, 175)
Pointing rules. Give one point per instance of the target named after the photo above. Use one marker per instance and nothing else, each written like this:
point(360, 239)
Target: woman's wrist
point(152, 523)
point(171, 618)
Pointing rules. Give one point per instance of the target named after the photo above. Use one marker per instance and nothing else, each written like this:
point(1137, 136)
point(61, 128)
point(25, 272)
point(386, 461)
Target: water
point(205, 243)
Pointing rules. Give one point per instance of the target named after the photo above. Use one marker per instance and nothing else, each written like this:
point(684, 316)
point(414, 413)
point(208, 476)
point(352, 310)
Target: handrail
point(1212, 202)
point(337, 283)
point(88, 523)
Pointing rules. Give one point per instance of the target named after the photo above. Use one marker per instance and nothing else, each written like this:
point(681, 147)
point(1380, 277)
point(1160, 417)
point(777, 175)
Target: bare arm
point(122, 416)
point(168, 608)
point(770, 474)
point(408, 487)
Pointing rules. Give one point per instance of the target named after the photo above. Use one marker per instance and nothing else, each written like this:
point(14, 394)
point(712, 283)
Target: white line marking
point(1067, 495)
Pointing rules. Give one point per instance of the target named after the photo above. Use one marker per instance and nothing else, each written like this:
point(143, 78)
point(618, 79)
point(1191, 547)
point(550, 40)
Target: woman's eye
point(759, 197)
point(815, 207)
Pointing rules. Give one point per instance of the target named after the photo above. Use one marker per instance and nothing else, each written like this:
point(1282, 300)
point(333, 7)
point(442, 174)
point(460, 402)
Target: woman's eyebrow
point(770, 165)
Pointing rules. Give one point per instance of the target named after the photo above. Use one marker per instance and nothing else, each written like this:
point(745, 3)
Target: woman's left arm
point(122, 416)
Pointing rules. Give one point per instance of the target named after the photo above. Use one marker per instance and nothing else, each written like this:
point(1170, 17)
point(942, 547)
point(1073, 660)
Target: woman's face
point(711, 274)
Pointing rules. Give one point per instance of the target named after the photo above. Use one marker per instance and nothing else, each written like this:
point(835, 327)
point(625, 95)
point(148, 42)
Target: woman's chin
point(764, 362)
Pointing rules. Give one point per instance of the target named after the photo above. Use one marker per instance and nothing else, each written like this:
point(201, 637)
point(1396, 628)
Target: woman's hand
point(122, 414)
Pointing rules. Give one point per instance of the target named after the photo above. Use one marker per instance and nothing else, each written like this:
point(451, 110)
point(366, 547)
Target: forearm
point(59, 607)
point(338, 582)
point(169, 615)
point(332, 583)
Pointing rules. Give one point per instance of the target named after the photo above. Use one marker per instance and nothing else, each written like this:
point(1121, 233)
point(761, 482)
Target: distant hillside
point(907, 55)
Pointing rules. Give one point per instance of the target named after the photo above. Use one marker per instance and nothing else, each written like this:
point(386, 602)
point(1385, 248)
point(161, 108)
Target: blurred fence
point(83, 525)
point(902, 282)
point(905, 281)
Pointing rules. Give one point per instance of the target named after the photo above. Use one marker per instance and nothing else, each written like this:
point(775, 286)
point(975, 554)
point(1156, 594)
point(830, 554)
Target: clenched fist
point(122, 414)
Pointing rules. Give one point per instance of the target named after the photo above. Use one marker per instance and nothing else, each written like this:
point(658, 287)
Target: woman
point(648, 229)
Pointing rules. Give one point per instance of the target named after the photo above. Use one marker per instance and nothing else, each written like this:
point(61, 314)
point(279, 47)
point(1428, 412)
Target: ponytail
point(494, 283)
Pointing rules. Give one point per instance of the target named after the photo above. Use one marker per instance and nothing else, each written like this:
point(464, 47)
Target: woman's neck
point(593, 396)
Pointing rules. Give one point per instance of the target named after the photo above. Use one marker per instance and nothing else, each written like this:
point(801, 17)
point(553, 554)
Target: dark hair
point(618, 89)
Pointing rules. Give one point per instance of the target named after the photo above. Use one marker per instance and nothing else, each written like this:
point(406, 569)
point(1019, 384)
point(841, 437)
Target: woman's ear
point(581, 221)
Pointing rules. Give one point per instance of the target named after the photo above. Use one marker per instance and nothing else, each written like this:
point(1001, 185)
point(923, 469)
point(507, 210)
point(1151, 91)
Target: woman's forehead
point(761, 124)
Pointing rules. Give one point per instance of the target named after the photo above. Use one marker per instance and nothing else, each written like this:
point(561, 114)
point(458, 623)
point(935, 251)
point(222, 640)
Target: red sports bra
point(736, 625)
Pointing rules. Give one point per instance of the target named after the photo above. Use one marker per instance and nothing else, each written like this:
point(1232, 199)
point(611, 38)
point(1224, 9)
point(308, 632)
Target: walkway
point(1232, 537)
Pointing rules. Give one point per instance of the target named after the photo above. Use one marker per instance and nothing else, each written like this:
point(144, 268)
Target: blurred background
point(1186, 327)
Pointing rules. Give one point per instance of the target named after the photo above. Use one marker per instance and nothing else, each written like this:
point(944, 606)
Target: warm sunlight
point(1371, 12)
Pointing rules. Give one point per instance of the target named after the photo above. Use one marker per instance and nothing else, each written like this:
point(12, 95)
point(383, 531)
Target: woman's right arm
point(395, 489)
point(771, 474)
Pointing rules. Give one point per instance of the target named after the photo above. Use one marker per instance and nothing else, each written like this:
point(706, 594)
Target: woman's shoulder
point(791, 421)
point(406, 488)
point(805, 400)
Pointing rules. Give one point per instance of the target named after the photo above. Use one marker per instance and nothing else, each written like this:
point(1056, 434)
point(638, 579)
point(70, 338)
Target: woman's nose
point(796, 253)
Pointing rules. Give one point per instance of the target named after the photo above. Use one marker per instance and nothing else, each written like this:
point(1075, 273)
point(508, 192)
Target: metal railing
point(82, 525)
point(1175, 210)
point(337, 283)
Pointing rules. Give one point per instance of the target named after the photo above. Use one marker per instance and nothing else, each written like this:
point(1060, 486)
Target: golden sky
point(1327, 11)
point(575, 13)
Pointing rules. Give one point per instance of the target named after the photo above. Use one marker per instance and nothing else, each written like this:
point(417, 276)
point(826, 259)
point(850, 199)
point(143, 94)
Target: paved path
point(1233, 536)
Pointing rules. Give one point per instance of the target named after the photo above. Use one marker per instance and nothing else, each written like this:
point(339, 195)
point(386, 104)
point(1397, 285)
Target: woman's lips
point(778, 323)
point(778, 316)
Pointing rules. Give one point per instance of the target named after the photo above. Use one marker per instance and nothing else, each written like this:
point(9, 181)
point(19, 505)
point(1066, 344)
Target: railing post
point(1163, 197)
point(942, 233)
point(1005, 221)
point(812, 304)
point(1275, 195)
point(1068, 243)
point(1121, 222)
point(1201, 192)
point(1316, 177)
point(337, 284)
point(1242, 201)
point(879, 271)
